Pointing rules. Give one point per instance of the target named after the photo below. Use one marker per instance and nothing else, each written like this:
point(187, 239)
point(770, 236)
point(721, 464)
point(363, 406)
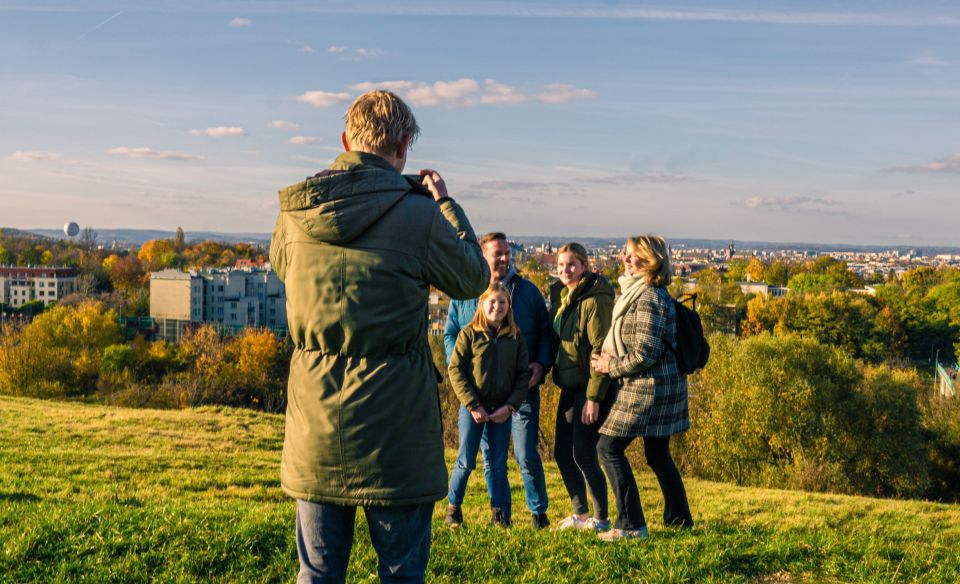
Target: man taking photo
point(358, 246)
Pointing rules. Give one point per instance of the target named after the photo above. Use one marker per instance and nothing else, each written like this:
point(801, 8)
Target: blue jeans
point(498, 442)
point(526, 430)
point(400, 536)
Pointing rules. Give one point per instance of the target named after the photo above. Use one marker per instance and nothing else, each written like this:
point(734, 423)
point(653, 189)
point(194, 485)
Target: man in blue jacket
point(530, 313)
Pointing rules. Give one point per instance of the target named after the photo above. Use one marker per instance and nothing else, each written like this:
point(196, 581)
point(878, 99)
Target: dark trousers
point(575, 450)
point(400, 536)
point(676, 510)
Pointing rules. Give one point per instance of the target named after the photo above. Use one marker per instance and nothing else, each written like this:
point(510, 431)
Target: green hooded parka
point(358, 247)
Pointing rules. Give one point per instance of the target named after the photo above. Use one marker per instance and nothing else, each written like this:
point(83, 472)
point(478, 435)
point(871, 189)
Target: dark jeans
point(676, 510)
point(525, 430)
point(400, 536)
point(575, 450)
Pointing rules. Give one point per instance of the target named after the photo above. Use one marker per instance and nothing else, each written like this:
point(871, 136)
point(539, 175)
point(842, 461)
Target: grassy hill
point(99, 494)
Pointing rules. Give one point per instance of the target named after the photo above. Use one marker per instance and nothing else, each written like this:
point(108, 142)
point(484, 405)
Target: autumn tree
point(755, 270)
point(59, 352)
point(157, 254)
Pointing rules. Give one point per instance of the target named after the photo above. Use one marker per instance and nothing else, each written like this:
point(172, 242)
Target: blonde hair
point(578, 252)
point(655, 253)
point(378, 121)
point(508, 325)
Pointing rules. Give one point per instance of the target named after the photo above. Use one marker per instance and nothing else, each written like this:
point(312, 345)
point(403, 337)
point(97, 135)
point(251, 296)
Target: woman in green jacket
point(581, 305)
point(489, 371)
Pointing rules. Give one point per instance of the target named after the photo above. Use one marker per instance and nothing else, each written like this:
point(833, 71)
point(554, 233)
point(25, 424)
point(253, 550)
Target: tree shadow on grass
point(19, 497)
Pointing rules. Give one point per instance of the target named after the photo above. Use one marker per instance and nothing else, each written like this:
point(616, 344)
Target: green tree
point(736, 270)
point(118, 358)
point(788, 411)
point(777, 273)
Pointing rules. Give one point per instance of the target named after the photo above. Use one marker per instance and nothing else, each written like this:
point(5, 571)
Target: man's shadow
point(19, 497)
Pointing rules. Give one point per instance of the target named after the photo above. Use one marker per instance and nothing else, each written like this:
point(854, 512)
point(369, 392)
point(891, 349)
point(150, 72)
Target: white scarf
point(631, 287)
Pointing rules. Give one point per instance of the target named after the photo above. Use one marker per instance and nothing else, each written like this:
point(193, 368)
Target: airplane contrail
point(99, 25)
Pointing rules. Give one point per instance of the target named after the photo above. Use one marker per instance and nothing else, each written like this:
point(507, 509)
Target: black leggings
point(676, 509)
point(575, 450)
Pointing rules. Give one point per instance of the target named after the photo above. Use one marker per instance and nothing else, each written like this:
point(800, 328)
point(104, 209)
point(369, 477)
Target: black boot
point(454, 516)
point(499, 518)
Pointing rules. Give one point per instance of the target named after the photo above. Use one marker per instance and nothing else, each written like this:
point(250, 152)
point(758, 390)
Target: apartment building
point(231, 298)
point(22, 284)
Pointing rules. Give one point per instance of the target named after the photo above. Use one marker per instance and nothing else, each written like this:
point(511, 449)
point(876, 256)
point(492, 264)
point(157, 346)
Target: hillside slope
point(120, 495)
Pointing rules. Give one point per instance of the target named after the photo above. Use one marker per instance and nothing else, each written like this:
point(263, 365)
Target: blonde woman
point(581, 306)
point(651, 402)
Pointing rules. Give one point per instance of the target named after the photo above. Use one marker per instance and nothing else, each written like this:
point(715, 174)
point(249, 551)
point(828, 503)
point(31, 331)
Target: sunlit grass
point(102, 494)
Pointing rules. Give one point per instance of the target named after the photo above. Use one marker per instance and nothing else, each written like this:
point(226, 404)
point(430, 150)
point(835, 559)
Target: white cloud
point(144, 152)
point(469, 92)
point(303, 140)
point(448, 93)
point(947, 165)
point(35, 156)
point(219, 131)
point(240, 21)
point(323, 98)
point(284, 125)
point(354, 52)
point(498, 93)
point(307, 49)
point(562, 93)
point(798, 204)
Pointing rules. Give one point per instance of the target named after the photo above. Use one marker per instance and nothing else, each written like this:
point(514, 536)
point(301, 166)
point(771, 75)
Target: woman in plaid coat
point(640, 350)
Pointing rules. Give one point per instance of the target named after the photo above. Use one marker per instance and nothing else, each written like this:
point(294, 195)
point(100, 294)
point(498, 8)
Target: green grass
point(99, 494)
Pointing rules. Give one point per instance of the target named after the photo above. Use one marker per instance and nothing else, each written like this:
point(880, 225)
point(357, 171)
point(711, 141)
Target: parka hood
point(339, 204)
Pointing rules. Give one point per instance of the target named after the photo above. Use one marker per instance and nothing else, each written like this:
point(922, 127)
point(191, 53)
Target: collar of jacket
point(583, 288)
point(511, 279)
point(352, 159)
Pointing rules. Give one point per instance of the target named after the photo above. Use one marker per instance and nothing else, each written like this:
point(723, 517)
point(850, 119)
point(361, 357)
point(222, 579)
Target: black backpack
point(692, 350)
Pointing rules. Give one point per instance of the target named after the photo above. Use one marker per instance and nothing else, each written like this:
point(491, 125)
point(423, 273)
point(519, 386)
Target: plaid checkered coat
point(652, 398)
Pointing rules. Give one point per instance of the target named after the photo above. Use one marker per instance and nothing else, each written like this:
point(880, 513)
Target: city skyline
point(735, 120)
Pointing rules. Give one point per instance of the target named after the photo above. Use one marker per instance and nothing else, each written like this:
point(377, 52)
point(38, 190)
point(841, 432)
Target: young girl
point(489, 373)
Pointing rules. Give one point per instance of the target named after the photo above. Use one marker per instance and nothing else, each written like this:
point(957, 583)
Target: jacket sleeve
point(460, 371)
point(644, 327)
point(598, 314)
point(278, 252)
point(455, 262)
point(452, 328)
point(521, 376)
point(546, 349)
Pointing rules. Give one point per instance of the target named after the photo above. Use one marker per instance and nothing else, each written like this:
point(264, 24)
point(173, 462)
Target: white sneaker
point(588, 524)
point(596, 524)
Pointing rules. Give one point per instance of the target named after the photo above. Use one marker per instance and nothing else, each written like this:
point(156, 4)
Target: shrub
point(790, 412)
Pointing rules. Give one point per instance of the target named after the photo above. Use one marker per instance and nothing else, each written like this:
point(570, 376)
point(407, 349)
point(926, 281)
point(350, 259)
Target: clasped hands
point(499, 415)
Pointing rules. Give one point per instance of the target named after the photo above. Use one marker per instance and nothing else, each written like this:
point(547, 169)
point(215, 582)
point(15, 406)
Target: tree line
point(822, 389)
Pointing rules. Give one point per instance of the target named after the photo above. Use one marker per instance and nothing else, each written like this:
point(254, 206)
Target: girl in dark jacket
point(652, 399)
point(489, 371)
point(581, 305)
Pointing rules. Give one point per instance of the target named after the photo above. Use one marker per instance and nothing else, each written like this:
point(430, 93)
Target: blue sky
point(781, 121)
